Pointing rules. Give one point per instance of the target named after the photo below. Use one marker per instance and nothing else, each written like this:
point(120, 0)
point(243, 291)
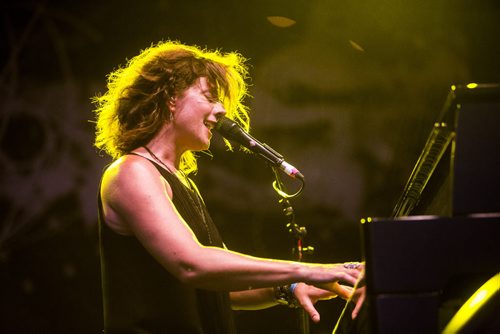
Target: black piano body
point(443, 239)
point(420, 270)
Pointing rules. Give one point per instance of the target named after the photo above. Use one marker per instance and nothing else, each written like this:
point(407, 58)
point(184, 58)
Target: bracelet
point(284, 295)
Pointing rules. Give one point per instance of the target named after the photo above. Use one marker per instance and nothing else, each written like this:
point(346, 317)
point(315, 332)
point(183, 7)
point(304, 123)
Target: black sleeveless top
point(141, 296)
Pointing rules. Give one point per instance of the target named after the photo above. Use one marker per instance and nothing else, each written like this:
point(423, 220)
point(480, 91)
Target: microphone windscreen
point(228, 128)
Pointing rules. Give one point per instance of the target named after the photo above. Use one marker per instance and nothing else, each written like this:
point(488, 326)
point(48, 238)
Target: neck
point(163, 147)
point(177, 172)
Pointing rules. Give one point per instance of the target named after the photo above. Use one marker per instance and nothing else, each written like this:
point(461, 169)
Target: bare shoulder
point(131, 174)
point(127, 169)
point(129, 182)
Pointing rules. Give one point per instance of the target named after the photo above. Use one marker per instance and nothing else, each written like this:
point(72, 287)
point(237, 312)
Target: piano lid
point(461, 155)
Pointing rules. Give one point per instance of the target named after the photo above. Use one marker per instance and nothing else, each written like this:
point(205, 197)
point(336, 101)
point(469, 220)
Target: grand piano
point(442, 241)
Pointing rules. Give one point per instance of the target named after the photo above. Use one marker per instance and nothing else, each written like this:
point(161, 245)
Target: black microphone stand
point(298, 232)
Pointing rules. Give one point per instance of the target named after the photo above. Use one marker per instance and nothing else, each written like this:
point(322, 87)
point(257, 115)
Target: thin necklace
point(185, 180)
point(197, 205)
point(158, 159)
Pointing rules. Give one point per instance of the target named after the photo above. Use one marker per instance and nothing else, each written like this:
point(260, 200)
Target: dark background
point(348, 94)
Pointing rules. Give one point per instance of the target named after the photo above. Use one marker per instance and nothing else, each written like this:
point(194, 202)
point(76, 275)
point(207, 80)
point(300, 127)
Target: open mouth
point(209, 125)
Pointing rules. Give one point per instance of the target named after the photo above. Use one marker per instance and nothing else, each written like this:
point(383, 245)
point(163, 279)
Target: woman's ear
point(171, 103)
point(171, 108)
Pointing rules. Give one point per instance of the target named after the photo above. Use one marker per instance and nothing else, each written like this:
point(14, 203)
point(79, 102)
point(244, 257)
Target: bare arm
point(137, 200)
point(256, 299)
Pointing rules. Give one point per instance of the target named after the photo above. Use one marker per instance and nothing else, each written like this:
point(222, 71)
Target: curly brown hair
point(135, 106)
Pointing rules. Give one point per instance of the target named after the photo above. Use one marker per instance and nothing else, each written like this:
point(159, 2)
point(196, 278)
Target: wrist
point(284, 295)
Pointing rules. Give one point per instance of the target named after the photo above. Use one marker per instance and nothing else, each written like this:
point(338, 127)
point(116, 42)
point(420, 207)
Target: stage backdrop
point(347, 91)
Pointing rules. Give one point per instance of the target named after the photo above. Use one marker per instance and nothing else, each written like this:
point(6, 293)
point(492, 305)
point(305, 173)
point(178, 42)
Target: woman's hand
point(308, 295)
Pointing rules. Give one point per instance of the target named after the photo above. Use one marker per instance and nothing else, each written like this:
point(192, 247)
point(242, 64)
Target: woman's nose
point(219, 110)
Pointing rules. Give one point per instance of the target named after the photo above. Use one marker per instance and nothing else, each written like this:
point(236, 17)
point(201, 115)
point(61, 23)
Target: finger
point(350, 276)
point(354, 265)
point(359, 303)
point(347, 276)
point(344, 292)
point(316, 293)
point(332, 287)
point(310, 309)
point(325, 295)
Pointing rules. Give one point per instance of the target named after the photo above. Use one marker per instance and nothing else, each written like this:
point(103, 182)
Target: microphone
point(232, 131)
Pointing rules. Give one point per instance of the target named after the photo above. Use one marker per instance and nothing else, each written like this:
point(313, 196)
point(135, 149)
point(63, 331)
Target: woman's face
point(195, 113)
